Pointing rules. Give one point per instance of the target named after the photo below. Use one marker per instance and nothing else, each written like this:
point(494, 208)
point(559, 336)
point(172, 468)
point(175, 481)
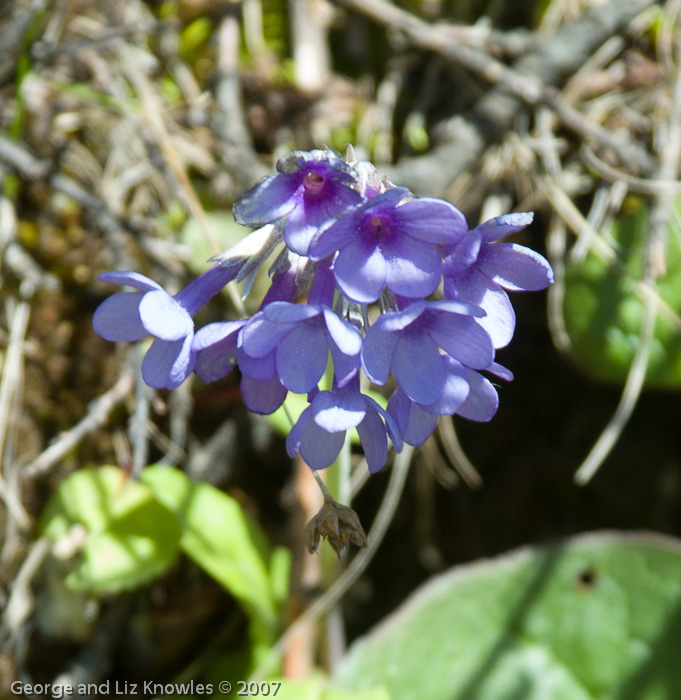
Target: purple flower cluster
point(366, 258)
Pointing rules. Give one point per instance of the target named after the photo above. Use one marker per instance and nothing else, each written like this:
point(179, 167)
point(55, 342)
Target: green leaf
point(603, 310)
point(217, 536)
point(597, 617)
point(378, 693)
point(280, 573)
point(131, 538)
point(316, 687)
point(417, 136)
point(310, 688)
point(195, 34)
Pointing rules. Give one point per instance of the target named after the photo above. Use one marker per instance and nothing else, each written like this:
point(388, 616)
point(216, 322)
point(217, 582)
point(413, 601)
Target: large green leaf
point(315, 687)
point(598, 617)
point(130, 538)
point(603, 309)
point(217, 536)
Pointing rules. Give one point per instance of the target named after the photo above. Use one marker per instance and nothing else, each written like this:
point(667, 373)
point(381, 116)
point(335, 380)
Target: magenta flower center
point(378, 226)
point(313, 183)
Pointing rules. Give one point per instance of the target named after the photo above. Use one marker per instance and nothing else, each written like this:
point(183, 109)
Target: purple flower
point(408, 342)
point(388, 241)
point(310, 190)
point(215, 346)
point(292, 342)
point(216, 349)
point(131, 316)
point(320, 431)
point(417, 421)
point(466, 392)
point(477, 270)
point(262, 396)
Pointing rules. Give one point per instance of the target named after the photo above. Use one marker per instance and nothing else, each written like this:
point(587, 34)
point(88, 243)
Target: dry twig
point(531, 80)
point(97, 415)
point(654, 266)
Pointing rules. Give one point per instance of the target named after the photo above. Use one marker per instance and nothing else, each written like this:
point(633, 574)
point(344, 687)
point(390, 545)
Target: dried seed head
point(336, 523)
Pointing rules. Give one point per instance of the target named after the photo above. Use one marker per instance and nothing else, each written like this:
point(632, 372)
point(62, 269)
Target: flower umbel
point(350, 303)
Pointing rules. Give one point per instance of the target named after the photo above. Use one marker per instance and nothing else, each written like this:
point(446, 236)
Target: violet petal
point(345, 367)
point(399, 320)
point(163, 317)
point(318, 447)
point(296, 433)
point(460, 259)
point(418, 368)
point(216, 351)
point(516, 267)
point(415, 425)
point(301, 358)
point(167, 364)
point(412, 270)
point(258, 368)
point(431, 221)
point(344, 335)
point(132, 279)
point(259, 337)
point(505, 225)
point(390, 424)
point(500, 371)
point(117, 318)
point(336, 236)
point(374, 443)
point(377, 354)
point(360, 272)
point(262, 397)
point(462, 338)
point(339, 410)
point(302, 224)
point(477, 288)
point(456, 389)
point(268, 201)
point(482, 401)
point(285, 312)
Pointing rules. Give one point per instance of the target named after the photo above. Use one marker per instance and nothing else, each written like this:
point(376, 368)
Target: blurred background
point(127, 131)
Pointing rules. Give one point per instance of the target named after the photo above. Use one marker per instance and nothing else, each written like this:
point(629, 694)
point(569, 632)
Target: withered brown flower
point(336, 523)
